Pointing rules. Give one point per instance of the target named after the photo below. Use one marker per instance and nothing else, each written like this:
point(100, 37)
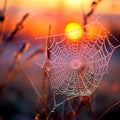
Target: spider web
point(76, 68)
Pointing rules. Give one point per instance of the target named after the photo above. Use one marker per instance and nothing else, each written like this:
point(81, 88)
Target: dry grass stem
point(18, 27)
point(86, 16)
point(2, 19)
point(14, 70)
point(21, 51)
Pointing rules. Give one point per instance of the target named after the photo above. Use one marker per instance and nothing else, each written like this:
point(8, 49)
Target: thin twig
point(21, 51)
point(86, 16)
point(44, 70)
point(36, 91)
point(4, 7)
point(13, 70)
point(92, 110)
point(65, 112)
point(2, 18)
point(109, 109)
point(18, 27)
point(93, 7)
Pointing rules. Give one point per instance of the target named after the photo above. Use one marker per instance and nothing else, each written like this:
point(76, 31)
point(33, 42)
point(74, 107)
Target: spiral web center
point(75, 64)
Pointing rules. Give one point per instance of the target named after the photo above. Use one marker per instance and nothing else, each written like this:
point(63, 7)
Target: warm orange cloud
point(109, 7)
point(58, 13)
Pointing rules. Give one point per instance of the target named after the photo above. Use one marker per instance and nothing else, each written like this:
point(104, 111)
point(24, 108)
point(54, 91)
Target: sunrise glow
point(57, 13)
point(73, 2)
point(74, 31)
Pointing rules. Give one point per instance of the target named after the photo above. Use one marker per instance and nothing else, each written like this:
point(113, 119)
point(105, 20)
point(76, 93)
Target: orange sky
point(58, 13)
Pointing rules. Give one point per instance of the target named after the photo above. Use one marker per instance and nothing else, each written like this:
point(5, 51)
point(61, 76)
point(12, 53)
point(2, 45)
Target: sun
point(74, 31)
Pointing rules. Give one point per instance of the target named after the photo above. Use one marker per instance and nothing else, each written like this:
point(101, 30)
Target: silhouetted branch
point(5, 6)
point(44, 70)
point(86, 16)
point(18, 27)
point(21, 51)
point(14, 70)
point(117, 104)
point(2, 18)
point(86, 101)
point(93, 7)
point(36, 91)
point(2, 12)
point(90, 106)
